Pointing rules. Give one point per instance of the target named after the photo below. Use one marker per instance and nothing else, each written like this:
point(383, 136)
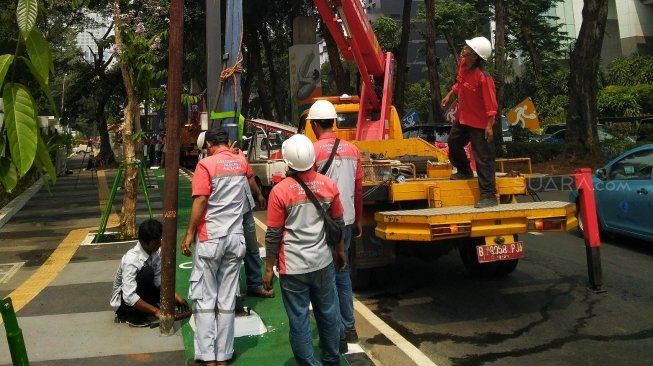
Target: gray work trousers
point(213, 289)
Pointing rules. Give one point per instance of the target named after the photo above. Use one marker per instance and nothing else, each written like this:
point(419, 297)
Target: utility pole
point(213, 54)
point(171, 181)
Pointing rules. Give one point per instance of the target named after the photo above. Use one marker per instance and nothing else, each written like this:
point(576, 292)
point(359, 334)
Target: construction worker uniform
point(296, 236)
point(219, 249)
point(346, 171)
point(477, 103)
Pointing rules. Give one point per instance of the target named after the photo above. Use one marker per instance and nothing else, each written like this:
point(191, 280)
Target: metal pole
point(213, 53)
point(14, 334)
point(171, 180)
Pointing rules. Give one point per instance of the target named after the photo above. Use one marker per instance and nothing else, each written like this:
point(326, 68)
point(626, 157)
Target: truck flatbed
point(431, 224)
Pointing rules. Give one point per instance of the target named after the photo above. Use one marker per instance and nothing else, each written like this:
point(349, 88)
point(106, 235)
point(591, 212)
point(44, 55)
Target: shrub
point(630, 70)
point(625, 101)
point(539, 152)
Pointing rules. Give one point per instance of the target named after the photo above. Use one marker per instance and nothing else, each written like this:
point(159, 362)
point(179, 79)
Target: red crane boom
point(351, 29)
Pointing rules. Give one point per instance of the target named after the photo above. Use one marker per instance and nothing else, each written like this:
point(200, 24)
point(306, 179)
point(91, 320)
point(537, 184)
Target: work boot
point(461, 176)
point(344, 348)
point(486, 202)
point(350, 335)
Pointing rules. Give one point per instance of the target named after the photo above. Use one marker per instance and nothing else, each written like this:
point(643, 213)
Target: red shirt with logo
point(303, 247)
point(223, 178)
point(345, 170)
point(476, 96)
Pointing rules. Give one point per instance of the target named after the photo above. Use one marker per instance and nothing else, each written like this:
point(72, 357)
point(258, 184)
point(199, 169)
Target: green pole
point(14, 334)
point(107, 208)
point(141, 172)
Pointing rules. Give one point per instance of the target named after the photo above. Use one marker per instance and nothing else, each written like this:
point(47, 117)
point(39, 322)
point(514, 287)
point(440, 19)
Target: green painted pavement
point(270, 348)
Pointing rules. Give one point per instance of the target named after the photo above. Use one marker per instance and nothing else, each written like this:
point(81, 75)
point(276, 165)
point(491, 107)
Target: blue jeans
point(252, 255)
point(344, 287)
point(297, 292)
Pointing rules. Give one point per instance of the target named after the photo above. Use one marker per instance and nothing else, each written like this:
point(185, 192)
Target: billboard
point(305, 78)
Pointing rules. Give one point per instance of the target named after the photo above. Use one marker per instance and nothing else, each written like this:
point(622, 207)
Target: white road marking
point(402, 343)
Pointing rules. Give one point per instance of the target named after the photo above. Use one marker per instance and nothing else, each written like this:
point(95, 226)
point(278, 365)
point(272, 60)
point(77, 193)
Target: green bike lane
point(270, 348)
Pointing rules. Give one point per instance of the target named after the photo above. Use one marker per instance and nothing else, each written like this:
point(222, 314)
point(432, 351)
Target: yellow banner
point(524, 115)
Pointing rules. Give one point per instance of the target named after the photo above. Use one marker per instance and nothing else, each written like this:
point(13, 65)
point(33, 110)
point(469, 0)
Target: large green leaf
point(43, 159)
point(26, 12)
point(5, 62)
point(39, 53)
point(8, 175)
point(22, 131)
point(45, 86)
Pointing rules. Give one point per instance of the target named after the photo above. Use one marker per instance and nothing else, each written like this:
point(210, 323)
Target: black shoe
point(486, 202)
point(461, 176)
point(351, 336)
point(344, 348)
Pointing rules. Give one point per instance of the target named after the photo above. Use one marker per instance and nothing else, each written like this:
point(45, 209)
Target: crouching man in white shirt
point(136, 288)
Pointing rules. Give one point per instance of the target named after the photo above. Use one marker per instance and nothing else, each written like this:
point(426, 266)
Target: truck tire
point(360, 278)
point(467, 251)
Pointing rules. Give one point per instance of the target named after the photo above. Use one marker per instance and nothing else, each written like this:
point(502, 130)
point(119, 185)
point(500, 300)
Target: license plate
point(504, 252)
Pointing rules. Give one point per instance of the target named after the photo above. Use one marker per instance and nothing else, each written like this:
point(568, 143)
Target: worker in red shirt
point(296, 240)
point(477, 108)
point(341, 163)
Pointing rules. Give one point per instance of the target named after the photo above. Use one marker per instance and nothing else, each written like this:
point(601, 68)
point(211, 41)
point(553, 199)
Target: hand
point(341, 260)
point(267, 279)
point(445, 101)
point(489, 133)
point(181, 302)
point(186, 244)
point(358, 230)
point(157, 313)
point(260, 199)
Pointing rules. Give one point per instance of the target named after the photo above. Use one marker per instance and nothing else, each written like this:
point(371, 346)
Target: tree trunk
point(247, 86)
point(256, 66)
point(106, 157)
point(452, 47)
point(128, 211)
point(582, 139)
point(532, 49)
point(431, 62)
point(402, 59)
point(274, 77)
point(337, 70)
point(501, 10)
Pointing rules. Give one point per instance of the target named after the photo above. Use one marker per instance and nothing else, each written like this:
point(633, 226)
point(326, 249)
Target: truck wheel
point(505, 268)
point(467, 251)
point(361, 278)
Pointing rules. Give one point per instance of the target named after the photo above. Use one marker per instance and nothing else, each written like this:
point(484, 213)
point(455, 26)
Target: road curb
point(7, 212)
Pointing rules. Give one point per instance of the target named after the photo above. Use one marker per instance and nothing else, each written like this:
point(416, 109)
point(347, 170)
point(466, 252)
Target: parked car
point(558, 137)
point(623, 189)
point(549, 130)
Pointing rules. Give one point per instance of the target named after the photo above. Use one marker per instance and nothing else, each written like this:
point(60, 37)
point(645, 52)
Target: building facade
point(86, 37)
point(629, 28)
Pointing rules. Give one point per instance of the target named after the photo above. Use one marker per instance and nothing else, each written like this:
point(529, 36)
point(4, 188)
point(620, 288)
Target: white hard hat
point(200, 140)
point(322, 109)
point(481, 46)
point(298, 152)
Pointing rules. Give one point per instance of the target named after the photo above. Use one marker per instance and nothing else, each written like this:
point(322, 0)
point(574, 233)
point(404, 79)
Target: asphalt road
point(542, 314)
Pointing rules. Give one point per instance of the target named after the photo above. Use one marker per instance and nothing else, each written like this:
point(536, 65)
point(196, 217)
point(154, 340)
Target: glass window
point(636, 166)
point(347, 120)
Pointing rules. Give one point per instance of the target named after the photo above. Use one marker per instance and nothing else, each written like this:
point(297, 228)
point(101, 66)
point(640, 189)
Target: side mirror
point(602, 174)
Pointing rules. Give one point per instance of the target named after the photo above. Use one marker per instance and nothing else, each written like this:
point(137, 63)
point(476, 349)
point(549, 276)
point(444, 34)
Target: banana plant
point(20, 131)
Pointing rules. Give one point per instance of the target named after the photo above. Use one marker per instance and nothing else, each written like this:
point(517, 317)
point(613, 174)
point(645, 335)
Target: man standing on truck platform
point(345, 169)
point(477, 108)
point(216, 226)
point(296, 240)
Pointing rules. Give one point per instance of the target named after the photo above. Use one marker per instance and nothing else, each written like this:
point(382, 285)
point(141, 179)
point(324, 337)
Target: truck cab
point(348, 108)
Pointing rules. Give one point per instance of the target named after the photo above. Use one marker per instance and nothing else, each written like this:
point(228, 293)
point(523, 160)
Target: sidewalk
point(61, 287)
point(69, 322)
